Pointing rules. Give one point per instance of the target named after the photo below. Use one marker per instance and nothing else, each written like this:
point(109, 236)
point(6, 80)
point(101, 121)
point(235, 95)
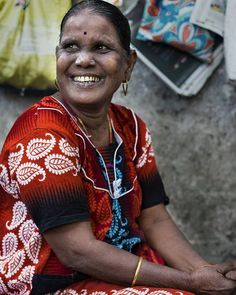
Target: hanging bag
point(29, 33)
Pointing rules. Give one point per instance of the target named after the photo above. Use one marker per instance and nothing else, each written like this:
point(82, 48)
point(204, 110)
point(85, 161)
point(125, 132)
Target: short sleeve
point(148, 175)
point(46, 166)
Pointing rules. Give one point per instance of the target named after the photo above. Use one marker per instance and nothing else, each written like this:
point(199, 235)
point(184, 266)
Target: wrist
point(190, 283)
point(193, 282)
point(198, 277)
point(212, 265)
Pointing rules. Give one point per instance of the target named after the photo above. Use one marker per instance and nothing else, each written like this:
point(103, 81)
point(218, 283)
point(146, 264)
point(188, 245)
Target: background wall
point(195, 144)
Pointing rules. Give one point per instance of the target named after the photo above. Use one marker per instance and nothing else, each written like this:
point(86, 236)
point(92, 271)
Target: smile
point(86, 79)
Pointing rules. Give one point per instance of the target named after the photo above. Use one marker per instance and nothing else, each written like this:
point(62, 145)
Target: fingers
point(231, 275)
point(210, 280)
point(225, 267)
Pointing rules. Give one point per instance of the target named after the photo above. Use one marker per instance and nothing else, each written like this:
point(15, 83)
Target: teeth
point(86, 79)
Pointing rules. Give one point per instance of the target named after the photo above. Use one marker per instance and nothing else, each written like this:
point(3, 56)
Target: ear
point(130, 64)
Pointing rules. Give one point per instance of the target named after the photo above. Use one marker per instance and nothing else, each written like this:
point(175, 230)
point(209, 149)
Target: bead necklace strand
point(83, 127)
point(77, 119)
point(109, 129)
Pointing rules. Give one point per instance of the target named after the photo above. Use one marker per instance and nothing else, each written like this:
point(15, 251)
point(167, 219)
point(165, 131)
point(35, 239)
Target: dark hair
point(107, 10)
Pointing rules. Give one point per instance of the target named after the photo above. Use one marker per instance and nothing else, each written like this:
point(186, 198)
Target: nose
point(84, 59)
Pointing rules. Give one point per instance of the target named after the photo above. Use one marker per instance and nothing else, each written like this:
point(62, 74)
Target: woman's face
point(91, 63)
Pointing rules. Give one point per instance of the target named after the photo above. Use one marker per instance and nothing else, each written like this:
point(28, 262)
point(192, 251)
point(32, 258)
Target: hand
point(231, 274)
point(211, 280)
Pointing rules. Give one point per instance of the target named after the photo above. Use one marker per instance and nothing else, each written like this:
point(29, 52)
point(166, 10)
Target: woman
point(82, 203)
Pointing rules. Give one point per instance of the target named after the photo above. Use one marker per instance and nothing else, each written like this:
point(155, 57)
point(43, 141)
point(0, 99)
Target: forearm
point(118, 266)
point(76, 247)
point(163, 235)
point(181, 255)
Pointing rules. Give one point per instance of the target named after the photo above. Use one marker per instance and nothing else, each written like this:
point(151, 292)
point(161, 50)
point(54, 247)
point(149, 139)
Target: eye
point(70, 47)
point(102, 48)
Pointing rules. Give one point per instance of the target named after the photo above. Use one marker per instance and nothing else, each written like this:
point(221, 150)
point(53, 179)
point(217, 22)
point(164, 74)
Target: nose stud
point(92, 62)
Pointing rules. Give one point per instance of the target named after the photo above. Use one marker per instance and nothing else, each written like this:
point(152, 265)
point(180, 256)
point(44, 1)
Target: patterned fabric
point(168, 21)
point(118, 234)
point(101, 288)
point(51, 174)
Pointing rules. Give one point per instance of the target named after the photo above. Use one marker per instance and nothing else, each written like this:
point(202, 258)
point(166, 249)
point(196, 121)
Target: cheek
point(62, 63)
point(115, 66)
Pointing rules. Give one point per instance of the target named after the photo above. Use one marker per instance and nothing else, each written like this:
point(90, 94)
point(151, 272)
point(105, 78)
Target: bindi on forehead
point(85, 33)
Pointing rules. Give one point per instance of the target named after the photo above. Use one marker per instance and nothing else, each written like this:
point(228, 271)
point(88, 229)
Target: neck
point(101, 135)
point(95, 123)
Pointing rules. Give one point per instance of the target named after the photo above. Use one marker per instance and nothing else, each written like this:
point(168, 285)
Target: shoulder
point(50, 114)
point(125, 115)
point(43, 116)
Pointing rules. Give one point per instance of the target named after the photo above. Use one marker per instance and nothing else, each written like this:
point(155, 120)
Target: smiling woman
point(82, 202)
point(91, 67)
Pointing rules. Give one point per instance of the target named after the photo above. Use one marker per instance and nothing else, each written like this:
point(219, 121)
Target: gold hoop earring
point(125, 87)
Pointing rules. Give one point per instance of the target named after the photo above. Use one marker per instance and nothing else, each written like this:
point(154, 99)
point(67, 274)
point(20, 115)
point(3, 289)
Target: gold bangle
point(137, 271)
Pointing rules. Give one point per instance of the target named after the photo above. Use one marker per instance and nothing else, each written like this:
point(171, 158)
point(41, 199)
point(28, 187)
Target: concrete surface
point(195, 144)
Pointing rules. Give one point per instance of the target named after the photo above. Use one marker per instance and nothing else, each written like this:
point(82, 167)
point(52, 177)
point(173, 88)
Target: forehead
point(92, 23)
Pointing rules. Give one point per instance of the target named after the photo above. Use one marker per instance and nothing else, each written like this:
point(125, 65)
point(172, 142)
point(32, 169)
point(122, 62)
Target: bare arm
point(76, 247)
point(163, 235)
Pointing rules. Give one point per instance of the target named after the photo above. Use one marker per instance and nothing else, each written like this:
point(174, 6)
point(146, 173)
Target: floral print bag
point(168, 21)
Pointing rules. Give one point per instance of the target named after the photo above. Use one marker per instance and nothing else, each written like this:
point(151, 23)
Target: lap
point(95, 287)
